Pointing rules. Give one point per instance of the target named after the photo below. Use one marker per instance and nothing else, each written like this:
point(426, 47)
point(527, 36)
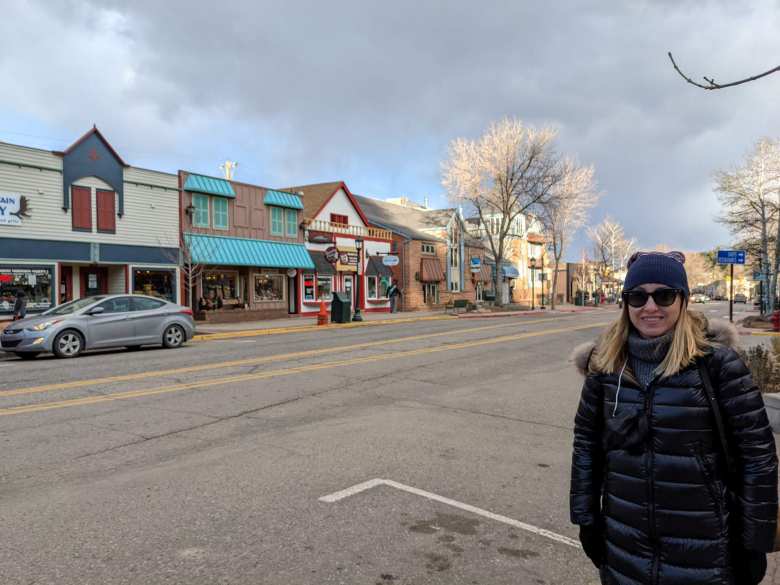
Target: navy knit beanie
point(658, 267)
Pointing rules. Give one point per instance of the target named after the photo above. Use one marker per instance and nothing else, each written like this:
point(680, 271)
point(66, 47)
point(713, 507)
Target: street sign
point(476, 264)
point(731, 256)
point(390, 260)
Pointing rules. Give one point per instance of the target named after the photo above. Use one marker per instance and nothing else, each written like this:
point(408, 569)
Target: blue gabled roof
point(282, 199)
point(206, 249)
point(210, 185)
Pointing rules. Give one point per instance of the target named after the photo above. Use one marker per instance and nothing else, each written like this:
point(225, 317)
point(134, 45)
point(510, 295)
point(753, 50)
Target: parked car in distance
point(740, 298)
point(699, 298)
point(100, 322)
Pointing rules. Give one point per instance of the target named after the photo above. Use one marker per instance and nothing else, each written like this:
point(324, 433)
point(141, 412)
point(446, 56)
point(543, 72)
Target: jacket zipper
point(709, 479)
point(650, 487)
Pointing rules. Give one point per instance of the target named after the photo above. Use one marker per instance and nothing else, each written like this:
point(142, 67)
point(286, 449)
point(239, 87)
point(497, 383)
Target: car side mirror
point(96, 311)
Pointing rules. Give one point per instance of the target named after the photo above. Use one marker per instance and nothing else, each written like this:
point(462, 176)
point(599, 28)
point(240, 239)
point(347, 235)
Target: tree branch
point(711, 80)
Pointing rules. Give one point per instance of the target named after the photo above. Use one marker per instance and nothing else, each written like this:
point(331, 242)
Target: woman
point(20, 306)
point(649, 486)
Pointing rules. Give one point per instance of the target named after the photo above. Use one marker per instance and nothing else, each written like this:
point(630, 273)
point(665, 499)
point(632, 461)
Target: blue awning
point(210, 185)
point(509, 271)
point(282, 199)
point(226, 251)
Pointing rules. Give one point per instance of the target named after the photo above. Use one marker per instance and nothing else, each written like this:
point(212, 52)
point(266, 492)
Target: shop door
point(348, 288)
point(66, 284)
point(292, 295)
point(94, 281)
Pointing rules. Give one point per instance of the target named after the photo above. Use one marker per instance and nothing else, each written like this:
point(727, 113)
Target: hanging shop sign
point(348, 260)
point(476, 264)
point(291, 272)
point(13, 208)
point(390, 260)
point(331, 254)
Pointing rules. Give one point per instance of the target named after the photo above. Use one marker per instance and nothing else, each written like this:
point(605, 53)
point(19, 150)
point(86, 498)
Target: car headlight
point(46, 325)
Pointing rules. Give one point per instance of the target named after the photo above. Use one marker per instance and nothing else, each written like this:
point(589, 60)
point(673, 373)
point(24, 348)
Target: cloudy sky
point(372, 92)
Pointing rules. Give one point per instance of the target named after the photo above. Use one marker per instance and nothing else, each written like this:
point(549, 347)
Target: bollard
point(322, 316)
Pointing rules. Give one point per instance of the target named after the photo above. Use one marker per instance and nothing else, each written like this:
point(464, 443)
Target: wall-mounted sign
point(348, 259)
point(390, 260)
point(291, 272)
point(13, 208)
point(476, 263)
point(331, 254)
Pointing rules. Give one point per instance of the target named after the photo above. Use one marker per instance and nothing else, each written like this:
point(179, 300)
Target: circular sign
point(291, 272)
point(331, 254)
point(390, 260)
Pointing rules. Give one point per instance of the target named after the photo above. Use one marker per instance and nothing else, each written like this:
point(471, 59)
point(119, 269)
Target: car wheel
point(173, 336)
point(68, 344)
point(26, 356)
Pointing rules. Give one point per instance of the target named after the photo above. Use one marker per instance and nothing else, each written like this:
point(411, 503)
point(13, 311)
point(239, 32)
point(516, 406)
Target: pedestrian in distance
point(20, 306)
point(393, 293)
point(674, 470)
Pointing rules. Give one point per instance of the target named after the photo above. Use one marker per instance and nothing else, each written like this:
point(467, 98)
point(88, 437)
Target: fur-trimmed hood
point(719, 331)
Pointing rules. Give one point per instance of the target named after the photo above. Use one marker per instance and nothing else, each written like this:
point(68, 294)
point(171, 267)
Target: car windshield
point(73, 306)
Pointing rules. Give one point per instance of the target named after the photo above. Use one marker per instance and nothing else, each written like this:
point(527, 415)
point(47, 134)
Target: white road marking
point(366, 485)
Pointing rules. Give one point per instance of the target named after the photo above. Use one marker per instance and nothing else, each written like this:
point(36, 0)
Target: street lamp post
point(359, 247)
point(532, 266)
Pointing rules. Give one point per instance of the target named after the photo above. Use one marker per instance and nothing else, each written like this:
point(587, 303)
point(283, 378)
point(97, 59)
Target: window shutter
point(81, 212)
point(106, 212)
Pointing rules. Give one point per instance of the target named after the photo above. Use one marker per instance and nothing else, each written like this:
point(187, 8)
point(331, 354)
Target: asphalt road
point(226, 462)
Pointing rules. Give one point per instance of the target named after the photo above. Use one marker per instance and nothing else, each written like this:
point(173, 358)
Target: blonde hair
point(688, 342)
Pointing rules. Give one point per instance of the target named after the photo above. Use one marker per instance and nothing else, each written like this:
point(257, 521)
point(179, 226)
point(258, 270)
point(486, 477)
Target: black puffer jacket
point(663, 503)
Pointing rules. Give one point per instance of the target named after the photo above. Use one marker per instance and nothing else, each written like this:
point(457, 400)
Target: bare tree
point(709, 82)
point(186, 255)
point(611, 248)
point(510, 170)
point(750, 199)
point(575, 195)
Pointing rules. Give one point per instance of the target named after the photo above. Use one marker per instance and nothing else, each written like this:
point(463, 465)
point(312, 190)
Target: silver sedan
point(100, 322)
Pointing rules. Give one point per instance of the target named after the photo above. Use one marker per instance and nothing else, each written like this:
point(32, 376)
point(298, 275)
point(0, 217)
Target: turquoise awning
point(222, 250)
point(210, 185)
point(282, 199)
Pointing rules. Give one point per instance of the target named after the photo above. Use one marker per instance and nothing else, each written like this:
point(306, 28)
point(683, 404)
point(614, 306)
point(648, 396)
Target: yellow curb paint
point(281, 372)
point(308, 328)
point(252, 361)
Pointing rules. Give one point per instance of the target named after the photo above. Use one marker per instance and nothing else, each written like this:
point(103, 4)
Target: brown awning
point(377, 268)
point(430, 270)
point(321, 265)
point(533, 238)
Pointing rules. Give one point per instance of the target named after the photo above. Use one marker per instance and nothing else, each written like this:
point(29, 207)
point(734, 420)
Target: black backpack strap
point(712, 398)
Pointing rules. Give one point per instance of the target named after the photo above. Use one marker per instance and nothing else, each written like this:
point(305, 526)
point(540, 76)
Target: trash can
point(341, 308)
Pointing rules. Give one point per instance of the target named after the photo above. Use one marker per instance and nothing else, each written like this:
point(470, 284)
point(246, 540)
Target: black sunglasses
point(663, 297)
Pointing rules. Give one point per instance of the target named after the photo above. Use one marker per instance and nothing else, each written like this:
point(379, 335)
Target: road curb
point(309, 328)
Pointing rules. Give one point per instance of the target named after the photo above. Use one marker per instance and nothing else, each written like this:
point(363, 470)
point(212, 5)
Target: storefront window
point(377, 287)
point(155, 283)
point(34, 281)
point(269, 287)
point(219, 287)
point(324, 288)
point(308, 287)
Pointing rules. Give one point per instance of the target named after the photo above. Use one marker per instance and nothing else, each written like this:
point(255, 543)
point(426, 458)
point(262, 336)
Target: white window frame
point(317, 287)
point(303, 286)
point(428, 248)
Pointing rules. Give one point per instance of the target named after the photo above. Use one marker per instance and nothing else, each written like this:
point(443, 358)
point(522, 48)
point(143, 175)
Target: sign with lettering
point(331, 254)
point(13, 208)
point(731, 256)
point(390, 260)
point(476, 264)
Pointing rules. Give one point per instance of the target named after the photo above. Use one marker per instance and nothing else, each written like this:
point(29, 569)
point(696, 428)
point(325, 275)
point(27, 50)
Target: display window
point(378, 286)
point(309, 287)
point(324, 288)
point(34, 281)
point(269, 287)
point(219, 287)
point(155, 283)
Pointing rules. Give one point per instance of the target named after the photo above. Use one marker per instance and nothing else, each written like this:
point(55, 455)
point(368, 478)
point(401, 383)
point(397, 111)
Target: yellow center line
point(252, 361)
point(282, 372)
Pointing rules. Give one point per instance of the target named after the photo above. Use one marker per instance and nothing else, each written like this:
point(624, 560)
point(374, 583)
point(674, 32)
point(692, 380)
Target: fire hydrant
point(322, 316)
point(775, 320)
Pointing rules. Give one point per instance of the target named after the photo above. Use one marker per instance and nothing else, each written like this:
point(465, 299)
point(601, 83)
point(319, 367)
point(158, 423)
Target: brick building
point(435, 253)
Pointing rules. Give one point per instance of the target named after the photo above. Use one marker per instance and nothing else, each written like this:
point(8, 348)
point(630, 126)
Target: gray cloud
point(372, 92)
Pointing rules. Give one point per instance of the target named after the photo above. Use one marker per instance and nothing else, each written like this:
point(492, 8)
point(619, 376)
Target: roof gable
point(317, 195)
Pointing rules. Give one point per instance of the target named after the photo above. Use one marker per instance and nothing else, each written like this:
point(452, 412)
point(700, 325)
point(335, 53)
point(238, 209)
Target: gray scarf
point(646, 354)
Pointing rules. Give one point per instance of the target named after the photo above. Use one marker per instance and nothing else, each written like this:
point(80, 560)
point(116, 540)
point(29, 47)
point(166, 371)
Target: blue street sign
point(731, 256)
